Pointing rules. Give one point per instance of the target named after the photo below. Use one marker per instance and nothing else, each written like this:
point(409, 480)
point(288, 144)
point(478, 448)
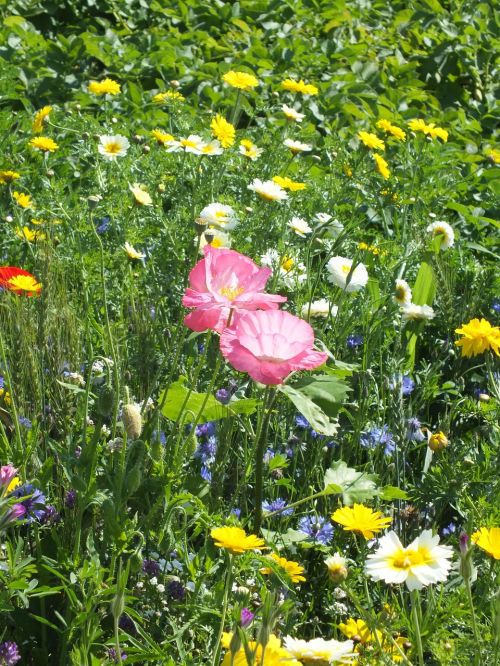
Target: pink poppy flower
point(222, 281)
point(270, 345)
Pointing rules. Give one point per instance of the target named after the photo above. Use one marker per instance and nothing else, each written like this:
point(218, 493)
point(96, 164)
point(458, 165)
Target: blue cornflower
point(25, 422)
point(102, 225)
point(317, 529)
point(159, 436)
point(206, 474)
point(236, 512)
point(404, 382)
point(9, 653)
point(449, 529)
point(354, 341)
point(206, 450)
point(268, 455)
point(223, 396)
point(379, 437)
point(277, 505)
point(413, 430)
point(301, 421)
point(151, 567)
point(205, 429)
point(1, 382)
point(35, 504)
point(495, 306)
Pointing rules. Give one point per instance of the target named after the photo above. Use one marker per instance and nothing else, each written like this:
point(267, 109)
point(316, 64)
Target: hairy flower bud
point(132, 421)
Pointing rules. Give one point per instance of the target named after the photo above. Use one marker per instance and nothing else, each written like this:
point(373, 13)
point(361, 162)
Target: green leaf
point(191, 404)
point(425, 285)
point(354, 486)
point(390, 493)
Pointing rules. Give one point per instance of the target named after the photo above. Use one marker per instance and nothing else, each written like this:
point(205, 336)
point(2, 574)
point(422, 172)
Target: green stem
point(415, 604)
point(227, 587)
point(260, 442)
point(477, 653)
point(13, 406)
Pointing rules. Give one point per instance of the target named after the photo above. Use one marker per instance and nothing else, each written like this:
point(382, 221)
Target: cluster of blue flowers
point(207, 448)
point(376, 437)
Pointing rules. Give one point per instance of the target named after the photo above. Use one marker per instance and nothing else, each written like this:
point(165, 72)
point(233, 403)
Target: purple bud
point(246, 617)
point(463, 541)
point(16, 512)
point(223, 396)
point(70, 499)
point(9, 653)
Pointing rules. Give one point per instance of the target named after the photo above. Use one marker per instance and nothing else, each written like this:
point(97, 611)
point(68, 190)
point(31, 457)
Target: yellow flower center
point(24, 283)
point(406, 559)
point(287, 264)
point(231, 292)
point(346, 268)
point(216, 242)
point(187, 143)
point(112, 147)
point(221, 215)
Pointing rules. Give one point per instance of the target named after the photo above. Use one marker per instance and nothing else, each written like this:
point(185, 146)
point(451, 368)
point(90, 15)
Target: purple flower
point(25, 422)
point(413, 430)
point(317, 529)
point(126, 624)
point(448, 530)
point(113, 656)
point(205, 429)
point(246, 617)
point(277, 505)
point(378, 437)
point(268, 455)
point(301, 421)
point(206, 450)
point(35, 503)
point(159, 436)
point(402, 382)
point(463, 542)
point(151, 567)
point(70, 499)
point(354, 341)
point(9, 653)
point(223, 396)
point(206, 474)
point(236, 512)
point(495, 306)
point(50, 515)
point(102, 225)
point(176, 590)
point(1, 382)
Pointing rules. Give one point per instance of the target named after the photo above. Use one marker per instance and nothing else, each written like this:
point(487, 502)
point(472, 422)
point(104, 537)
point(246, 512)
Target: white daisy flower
point(212, 148)
point(444, 231)
point(323, 218)
point(292, 114)
point(410, 312)
point(290, 271)
point(402, 293)
point(215, 238)
point(320, 652)
point(192, 144)
point(268, 190)
point(297, 146)
point(218, 215)
point(250, 150)
point(320, 308)
point(140, 195)
point(342, 275)
point(421, 563)
point(132, 253)
point(300, 226)
point(113, 146)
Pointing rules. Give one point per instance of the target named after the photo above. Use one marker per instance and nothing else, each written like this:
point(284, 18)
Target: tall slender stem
point(260, 442)
point(415, 603)
point(227, 587)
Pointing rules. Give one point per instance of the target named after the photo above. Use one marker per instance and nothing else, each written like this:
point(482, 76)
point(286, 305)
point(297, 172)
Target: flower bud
point(337, 569)
point(93, 200)
point(175, 84)
point(146, 149)
point(246, 617)
point(132, 421)
point(438, 441)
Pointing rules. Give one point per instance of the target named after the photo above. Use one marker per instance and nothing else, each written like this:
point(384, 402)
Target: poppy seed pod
point(132, 421)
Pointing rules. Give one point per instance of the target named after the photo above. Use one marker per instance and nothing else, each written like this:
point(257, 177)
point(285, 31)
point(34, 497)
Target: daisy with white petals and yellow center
point(249, 149)
point(320, 652)
point(413, 312)
point(402, 293)
point(319, 309)
point(341, 268)
point(422, 563)
point(140, 195)
point(113, 146)
point(296, 147)
point(443, 231)
point(192, 144)
point(215, 238)
point(218, 215)
point(268, 190)
point(132, 253)
point(300, 226)
point(292, 115)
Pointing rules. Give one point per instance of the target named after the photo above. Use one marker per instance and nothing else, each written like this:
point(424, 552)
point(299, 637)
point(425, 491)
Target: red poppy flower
point(19, 281)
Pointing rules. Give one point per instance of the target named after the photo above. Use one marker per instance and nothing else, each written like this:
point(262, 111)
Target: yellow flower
point(395, 131)
point(438, 441)
point(240, 80)
point(382, 166)
point(23, 200)
point(8, 177)
point(273, 654)
point(29, 234)
point(293, 569)
point(40, 118)
point(106, 87)
point(479, 336)
point(28, 283)
point(249, 149)
point(361, 519)
point(418, 125)
point(492, 153)
point(299, 87)
point(14, 482)
point(439, 132)
point(288, 184)
point(140, 195)
point(488, 540)
point(162, 137)
point(235, 540)
point(371, 140)
point(347, 170)
point(223, 131)
point(5, 396)
point(44, 144)
point(353, 627)
point(132, 253)
point(337, 568)
point(168, 96)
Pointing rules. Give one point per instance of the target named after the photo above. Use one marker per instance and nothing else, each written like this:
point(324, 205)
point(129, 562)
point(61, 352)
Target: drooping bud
point(132, 421)
point(438, 441)
point(337, 569)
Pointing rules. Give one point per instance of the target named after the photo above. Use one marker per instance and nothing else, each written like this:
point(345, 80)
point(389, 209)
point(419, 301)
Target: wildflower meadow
point(249, 333)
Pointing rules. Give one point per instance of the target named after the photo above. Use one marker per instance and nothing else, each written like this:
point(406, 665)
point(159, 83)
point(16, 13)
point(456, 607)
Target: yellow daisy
point(168, 96)
point(299, 87)
point(361, 519)
point(289, 184)
point(236, 540)
point(162, 137)
point(240, 80)
point(293, 569)
point(223, 131)
point(105, 87)
point(29, 234)
point(478, 336)
point(382, 166)
point(39, 119)
point(44, 144)
point(8, 176)
point(489, 540)
point(22, 199)
point(371, 140)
